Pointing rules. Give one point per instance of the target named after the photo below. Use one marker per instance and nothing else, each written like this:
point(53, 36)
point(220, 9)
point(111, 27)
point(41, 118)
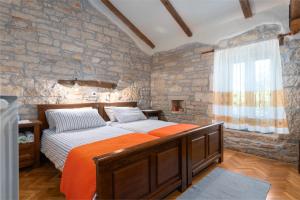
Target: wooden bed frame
point(153, 169)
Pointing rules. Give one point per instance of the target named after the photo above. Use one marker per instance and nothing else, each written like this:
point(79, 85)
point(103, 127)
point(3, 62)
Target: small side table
point(152, 113)
point(29, 153)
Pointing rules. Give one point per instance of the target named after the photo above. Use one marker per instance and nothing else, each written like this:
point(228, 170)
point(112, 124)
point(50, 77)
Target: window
point(238, 80)
point(248, 92)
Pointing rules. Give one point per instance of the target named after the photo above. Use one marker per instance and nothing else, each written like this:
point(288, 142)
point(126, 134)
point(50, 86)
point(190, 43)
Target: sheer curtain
point(248, 91)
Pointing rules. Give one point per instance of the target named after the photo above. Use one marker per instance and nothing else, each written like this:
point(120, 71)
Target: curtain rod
point(209, 51)
point(280, 37)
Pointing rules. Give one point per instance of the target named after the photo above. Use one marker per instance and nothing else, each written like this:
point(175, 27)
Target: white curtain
point(248, 91)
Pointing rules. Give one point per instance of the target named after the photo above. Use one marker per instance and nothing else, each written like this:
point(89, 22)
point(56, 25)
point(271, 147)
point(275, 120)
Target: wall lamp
point(89, 83)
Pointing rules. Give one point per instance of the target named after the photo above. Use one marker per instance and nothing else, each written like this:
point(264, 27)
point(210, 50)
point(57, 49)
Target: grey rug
point(221, 184)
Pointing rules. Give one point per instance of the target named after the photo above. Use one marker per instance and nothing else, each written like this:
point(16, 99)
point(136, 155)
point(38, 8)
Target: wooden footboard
point(155, 169)
point(204, 146)
point(150, 170)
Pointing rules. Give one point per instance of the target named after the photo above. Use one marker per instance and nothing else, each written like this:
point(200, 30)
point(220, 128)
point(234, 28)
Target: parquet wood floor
point(43, 182)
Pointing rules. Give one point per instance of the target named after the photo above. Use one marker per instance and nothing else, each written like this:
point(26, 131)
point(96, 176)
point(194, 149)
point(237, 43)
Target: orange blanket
point(79, 174)
point(172, 129)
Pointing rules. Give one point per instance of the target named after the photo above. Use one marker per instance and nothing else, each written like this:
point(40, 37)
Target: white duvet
point(141, 126)
point(56, 146)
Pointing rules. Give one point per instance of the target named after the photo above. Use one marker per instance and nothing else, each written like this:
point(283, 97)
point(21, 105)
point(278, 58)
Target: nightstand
point(29, 152)
point(151, 113)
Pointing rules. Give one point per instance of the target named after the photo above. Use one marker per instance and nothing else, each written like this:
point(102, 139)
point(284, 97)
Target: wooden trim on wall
point(90, 83)
point(128, 23)
point(177, 17)
point(246, 8)
point(209, 51)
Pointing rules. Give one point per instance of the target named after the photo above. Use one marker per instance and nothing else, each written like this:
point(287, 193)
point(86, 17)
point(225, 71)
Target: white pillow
point(129, 115)
point(51, 121)
point(110, 111)
point(75, 119)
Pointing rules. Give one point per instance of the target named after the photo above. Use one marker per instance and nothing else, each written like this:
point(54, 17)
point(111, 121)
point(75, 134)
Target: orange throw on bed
point(172, 129)
point(79, 174)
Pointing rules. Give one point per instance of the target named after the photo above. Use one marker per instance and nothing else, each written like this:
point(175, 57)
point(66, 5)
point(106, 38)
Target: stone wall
point(42, 41)
point(184, 73)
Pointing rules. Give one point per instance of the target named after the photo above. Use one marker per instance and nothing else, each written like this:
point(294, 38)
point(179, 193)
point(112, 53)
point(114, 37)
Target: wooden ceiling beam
point(177, 17)
point(246, 8)
point(295, 16)
point(127, 22)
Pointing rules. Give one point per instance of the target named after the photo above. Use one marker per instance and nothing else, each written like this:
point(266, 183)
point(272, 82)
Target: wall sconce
point(76, 87)
point(90, 83)
point(107, 98)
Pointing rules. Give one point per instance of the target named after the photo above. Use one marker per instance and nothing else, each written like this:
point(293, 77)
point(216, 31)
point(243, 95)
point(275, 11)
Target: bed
point(149, 170)
point(204, 144)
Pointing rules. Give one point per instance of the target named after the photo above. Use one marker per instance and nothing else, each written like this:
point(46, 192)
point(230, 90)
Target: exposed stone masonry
point(182, 74)
point(42, 41)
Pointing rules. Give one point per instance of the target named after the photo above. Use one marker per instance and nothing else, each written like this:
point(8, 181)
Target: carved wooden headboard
point(43, 107)
point(117, 104)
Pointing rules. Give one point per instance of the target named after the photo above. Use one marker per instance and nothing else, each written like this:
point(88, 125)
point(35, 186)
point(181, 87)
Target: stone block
point(42, 68)
point(72, 47)
point(22, 15)
point(46, 40)
point(92, 27)
point(110, 32)
point(11, 90)
point(74, 32)
point(43, 48)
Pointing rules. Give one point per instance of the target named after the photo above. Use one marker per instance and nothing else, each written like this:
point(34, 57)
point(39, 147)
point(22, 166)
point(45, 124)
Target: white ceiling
point(209, 20)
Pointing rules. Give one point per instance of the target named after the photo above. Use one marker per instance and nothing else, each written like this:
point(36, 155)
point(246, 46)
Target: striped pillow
point(75, 119)
point(51, 121)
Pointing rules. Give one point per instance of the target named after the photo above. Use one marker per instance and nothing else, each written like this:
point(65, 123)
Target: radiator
point(9, 159)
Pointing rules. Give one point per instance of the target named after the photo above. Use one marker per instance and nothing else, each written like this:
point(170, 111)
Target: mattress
point(141, 126)
point(56, 146)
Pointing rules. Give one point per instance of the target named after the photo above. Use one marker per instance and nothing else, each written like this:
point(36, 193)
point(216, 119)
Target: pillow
point(129, 115)
point(51, 121)
point(75, 119)
point(110, 113)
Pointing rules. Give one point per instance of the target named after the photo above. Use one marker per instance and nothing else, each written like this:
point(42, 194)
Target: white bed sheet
point(56, 146)
point(141, 126)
